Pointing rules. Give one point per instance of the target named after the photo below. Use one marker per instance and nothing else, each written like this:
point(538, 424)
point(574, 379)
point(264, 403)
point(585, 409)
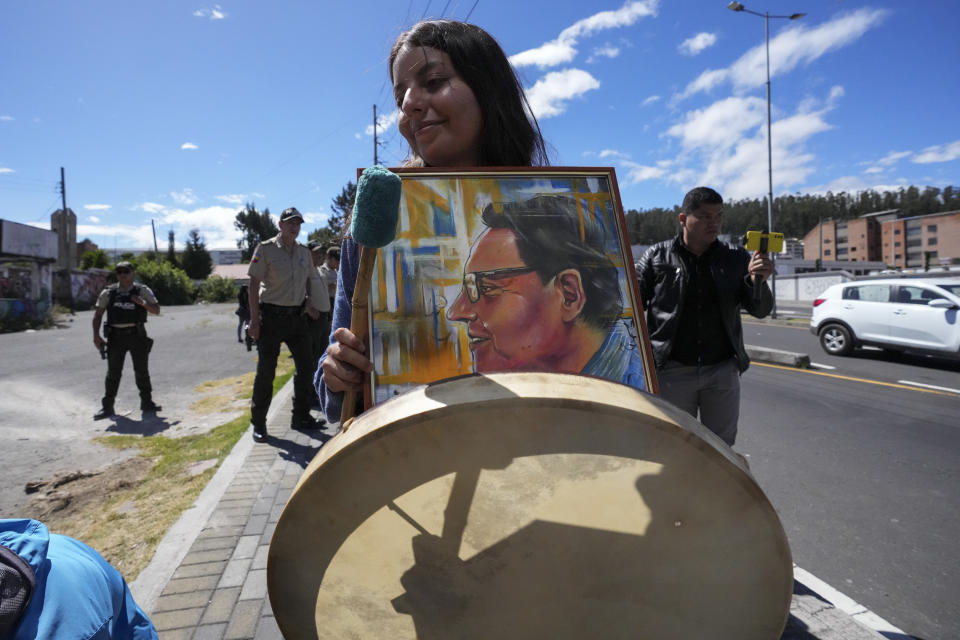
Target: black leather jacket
point(663, 287)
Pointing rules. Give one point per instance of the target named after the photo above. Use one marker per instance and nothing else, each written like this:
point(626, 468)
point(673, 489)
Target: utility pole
point(375, 134)
point(154, 227)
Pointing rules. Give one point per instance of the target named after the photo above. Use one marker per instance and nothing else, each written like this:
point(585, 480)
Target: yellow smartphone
point(755, 241)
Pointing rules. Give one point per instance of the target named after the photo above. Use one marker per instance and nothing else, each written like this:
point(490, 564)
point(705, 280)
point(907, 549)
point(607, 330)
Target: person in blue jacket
point(56, 587)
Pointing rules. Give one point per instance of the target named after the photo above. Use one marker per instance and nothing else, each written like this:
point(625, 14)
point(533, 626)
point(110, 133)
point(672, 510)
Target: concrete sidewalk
point(208, 579)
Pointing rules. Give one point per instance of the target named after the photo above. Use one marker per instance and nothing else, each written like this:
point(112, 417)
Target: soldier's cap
point(289, 214)
point(123, 264)
point(315, 246)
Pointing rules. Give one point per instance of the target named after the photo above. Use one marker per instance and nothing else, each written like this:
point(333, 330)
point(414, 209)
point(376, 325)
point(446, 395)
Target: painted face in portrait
point(514, 321)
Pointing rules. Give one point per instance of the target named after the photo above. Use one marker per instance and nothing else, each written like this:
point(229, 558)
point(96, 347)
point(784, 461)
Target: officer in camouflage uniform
point(126, 305)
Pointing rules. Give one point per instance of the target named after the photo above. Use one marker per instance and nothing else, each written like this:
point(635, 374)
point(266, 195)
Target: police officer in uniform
point(285, 291)
point(126, 305)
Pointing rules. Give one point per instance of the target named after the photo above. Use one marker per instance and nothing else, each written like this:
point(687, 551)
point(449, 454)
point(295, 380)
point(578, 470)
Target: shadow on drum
point(551, 579)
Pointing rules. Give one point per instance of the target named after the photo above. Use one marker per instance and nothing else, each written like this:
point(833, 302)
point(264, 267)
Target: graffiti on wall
point(85, 286)
point(15, 282)
point(24, 291)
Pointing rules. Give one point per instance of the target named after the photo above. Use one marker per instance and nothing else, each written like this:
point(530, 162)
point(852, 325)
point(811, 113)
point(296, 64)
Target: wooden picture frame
point(431, 319)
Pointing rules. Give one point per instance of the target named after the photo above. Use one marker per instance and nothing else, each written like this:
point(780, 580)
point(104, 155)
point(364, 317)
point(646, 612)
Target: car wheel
point(836, 340)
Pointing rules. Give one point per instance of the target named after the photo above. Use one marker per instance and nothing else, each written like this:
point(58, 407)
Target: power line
point(425, 10)
point(470, 13)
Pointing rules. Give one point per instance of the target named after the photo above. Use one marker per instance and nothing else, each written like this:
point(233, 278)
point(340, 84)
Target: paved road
point(863, 475)
point(52, 382)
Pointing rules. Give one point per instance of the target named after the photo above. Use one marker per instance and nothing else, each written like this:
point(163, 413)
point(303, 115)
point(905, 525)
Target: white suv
point(921, 315)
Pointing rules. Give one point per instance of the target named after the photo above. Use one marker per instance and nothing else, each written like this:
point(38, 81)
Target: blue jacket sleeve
point(332, 402)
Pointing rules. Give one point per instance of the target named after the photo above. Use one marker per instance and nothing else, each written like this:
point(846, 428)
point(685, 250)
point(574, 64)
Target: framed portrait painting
point(496, 270)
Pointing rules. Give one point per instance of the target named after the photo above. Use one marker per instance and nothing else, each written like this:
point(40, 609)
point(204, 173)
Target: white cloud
point(790, 48)
point(728, 141)
point(548, 97)
point(214, 14)
point(606, 51)
point(96, 207)
point(189, 145)
point(258, 195)
point(6, 170)
point(563, 49)
point(6, 118)
point(874, 170)
point(183, 198)
point(650, 101)
point(384, 122)
point(938, 153)
point(696, 44)
point(721, 124)
point(93, 219)
point(891, 158)
point(233, 198)
point(613, 153)
point(150, 207)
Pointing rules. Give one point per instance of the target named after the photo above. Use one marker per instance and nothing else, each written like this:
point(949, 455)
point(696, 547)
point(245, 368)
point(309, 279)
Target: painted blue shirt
point(618, 359)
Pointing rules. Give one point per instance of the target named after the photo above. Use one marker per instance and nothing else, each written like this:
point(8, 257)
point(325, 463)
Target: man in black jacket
point(692, 288)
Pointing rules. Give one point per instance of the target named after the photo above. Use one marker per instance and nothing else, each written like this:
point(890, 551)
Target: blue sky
point(182, 111)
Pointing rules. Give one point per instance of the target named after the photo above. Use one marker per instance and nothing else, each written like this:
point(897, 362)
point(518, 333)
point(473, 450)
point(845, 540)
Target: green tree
point(170, 284)
point(196, 259)
point(97, 259)
point(256, 227)
point(218, 289)
point(171, 250)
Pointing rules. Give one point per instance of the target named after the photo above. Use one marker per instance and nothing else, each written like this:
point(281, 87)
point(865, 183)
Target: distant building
point(904, 243)
point(226, 256)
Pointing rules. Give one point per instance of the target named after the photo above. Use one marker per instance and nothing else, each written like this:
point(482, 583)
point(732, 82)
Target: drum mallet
point(373, 225)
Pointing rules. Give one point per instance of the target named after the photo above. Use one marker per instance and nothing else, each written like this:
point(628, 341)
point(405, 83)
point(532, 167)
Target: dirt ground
point(68, 495)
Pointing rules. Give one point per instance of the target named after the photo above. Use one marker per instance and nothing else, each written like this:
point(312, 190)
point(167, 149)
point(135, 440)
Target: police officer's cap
point(289, 214)
point(123, 264)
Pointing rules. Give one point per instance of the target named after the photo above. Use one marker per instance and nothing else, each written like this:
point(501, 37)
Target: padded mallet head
point(376, 208)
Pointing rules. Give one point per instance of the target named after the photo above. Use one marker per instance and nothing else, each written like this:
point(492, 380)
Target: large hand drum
point(528, 506)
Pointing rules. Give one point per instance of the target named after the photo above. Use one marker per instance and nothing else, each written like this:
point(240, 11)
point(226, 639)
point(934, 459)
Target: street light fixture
point(736, 6)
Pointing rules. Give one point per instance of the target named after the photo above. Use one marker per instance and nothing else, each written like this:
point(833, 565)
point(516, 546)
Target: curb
point(173, 547)
point(777, 356)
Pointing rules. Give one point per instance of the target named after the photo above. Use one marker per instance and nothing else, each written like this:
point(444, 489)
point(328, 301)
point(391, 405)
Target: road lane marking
point(852, 379)
point(821, 366)
point(929, 386)
point(846, 604)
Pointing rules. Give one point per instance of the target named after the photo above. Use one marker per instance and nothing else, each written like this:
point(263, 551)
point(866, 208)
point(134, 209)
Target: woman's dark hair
point(510, 135)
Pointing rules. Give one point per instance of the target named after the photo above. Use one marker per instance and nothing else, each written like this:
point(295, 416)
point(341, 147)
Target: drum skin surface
point(528, 505)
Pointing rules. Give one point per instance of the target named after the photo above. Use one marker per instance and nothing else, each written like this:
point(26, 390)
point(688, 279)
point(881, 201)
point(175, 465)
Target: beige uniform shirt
point(287, 275)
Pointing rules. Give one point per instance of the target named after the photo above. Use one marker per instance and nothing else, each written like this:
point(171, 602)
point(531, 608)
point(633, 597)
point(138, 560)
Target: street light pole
point(736, 6)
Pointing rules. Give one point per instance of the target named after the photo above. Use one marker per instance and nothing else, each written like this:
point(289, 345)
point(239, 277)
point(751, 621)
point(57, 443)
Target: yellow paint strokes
point(472, 190)
point(419, 197)
point(417, 344)
point(852, 379)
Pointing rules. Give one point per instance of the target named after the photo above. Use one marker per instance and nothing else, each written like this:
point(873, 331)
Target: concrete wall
point(805, 287)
